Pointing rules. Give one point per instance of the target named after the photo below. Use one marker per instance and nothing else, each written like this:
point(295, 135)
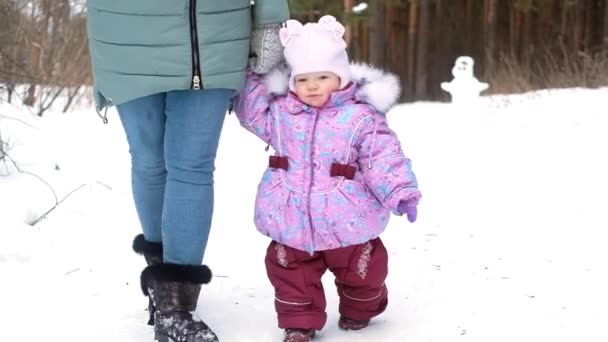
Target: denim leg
point(194, 123)
point(143, 120)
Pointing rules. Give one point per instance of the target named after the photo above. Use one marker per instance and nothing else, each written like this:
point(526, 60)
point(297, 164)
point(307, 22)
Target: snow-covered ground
point(510, 242)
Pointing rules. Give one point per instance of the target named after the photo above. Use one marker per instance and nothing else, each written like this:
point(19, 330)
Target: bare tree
point(3, 148)
point(43, 45)
point(12, 65)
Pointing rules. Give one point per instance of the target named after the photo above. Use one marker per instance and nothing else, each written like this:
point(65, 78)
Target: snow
point(509, 245)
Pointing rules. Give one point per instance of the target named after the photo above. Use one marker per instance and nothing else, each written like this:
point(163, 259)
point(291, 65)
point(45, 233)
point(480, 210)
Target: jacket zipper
point(196, 68)
point(308, 193)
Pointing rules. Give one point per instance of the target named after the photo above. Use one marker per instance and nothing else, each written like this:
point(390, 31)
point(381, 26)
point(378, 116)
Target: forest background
point(518, 45)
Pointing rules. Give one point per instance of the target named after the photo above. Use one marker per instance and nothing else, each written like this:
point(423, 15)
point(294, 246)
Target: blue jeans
point(173, 139)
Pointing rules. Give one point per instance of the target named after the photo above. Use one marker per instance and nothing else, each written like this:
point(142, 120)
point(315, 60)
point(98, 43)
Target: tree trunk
point(513, 30)
point(422, 59)
point(438, 51)
point(30, 98)
point(9, 92)
point(490, 38)
point(605, 39)
point(411, 47)
point(41, 70)
point(547, 17)
point(71, 96)
point(525, 38)
point(348, 8)
point(564, 20)
point(597, 25)
point(377, 36)
point(468, 26)
point(577, 26)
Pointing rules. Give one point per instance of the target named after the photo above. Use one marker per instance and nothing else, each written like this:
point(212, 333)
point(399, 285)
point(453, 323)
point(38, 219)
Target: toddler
point(337, 174)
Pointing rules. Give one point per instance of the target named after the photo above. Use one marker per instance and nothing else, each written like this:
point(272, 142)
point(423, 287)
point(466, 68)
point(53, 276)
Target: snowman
point(464, 88)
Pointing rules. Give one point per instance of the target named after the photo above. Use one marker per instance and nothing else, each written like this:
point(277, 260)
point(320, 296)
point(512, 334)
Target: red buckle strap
point(344, 170)
point(278, 162)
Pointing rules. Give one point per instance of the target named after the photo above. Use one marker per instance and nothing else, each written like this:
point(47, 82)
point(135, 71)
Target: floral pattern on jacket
point(304, 207)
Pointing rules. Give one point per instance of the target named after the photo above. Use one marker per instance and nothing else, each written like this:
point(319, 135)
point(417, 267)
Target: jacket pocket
point(142, 7)
point(222, 6)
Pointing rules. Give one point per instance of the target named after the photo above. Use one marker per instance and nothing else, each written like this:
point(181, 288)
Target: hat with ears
point(316, 47)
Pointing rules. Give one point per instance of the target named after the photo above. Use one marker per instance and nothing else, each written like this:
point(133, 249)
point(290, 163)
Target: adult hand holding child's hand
point(266, 49)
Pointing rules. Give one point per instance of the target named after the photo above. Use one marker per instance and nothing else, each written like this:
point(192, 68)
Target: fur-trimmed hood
point(379, 88)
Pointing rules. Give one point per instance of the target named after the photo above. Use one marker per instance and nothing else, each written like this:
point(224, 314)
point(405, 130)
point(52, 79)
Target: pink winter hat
point(316, 47)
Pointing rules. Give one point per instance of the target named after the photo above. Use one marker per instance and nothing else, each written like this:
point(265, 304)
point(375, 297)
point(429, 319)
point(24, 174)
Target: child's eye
point(323, 77)
point(300, 80)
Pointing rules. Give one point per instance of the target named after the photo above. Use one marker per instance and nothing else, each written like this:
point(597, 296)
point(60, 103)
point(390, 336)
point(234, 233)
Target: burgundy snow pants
point(359, 270)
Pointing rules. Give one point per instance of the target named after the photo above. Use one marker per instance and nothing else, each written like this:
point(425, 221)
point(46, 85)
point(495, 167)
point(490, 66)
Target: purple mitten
point(409, 209)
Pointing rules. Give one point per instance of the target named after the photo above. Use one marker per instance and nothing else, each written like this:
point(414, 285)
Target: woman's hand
point(266, 49)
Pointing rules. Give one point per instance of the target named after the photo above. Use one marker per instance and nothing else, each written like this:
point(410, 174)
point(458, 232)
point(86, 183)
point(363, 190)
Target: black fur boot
point(153, 253)
point(174, 290)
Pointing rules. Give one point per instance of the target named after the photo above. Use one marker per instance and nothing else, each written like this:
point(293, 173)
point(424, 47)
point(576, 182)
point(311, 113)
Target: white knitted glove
point(266, 48)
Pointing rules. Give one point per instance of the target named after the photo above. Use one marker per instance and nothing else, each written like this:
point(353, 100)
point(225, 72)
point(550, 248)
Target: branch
point(21, 99)
point(104, 185)
point(16, 119)
point(41, 217)
point(57, 200)
point(45, 99)
point(3, 148)
point(31, 174)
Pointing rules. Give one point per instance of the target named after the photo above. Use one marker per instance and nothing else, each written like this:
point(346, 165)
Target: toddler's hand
point(409, 209)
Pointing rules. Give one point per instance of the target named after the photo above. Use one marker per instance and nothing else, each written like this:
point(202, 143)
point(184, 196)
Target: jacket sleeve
point(386, 170)
point(266, 12)
point(252, 107)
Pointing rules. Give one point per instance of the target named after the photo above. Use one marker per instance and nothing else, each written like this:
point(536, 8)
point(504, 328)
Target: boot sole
point(164, 338)
point(158, 338)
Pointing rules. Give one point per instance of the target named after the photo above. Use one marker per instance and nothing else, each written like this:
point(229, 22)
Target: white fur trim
point(277, 81)
point(378, 88)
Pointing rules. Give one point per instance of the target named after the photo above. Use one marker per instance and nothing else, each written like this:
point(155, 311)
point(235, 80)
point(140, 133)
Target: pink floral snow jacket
point(304, 206)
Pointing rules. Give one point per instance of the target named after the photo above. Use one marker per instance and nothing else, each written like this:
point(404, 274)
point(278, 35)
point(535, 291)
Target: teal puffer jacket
point(143, 47)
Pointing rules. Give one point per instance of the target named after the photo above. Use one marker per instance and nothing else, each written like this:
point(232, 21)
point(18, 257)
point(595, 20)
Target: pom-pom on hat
point(316, 47)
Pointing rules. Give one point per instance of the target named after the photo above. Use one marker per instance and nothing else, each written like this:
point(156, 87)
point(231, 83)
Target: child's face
point(314, 88)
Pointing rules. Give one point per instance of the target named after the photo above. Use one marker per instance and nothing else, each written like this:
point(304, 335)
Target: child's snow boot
point(346, 323)
point(153, 253)
point(298, 335)
point(174, 291)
